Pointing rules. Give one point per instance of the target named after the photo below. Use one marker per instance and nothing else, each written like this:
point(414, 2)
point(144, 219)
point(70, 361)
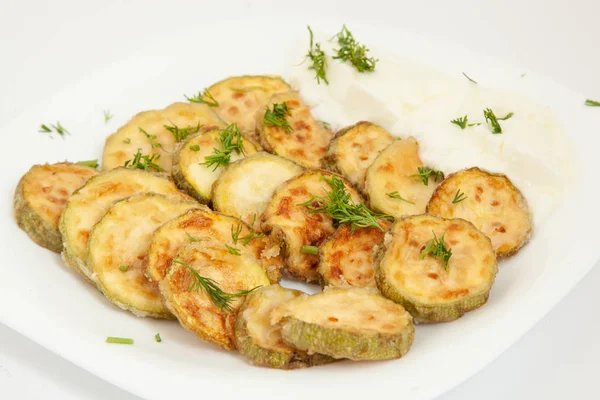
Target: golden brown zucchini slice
point(89, 203)
point(491, 202)
point(354, 149)
point(149, 132)
point(260, 341)
point(195, 309)
point(201, 225)
point(431, 291)
point(118, 246)
point(391, 184)
point(240, 97)
point(354, 323)
point(192, 172)
point(41, 196)
point(290, 223)
point(246, 186)
point(307, 140)
point(346, 258)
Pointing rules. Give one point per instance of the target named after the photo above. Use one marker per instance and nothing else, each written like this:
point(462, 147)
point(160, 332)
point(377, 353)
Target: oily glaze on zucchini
point(118, 246)
point(147, 131)
point(194, 308)
point(41, 196)
point(90, 202)
point(392, 175)
point(353, 150)
point(245, 187)
point(432, 292)
point(240, 97)
point(306, 142)
point(260, 341)
point(290, 223)
point(491, 202)
point(346, 258)
point(355, 323)
point(190, 174)
point(200, 225)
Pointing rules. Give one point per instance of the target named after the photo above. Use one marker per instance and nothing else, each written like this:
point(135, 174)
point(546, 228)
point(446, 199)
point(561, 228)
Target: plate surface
point(50, 304)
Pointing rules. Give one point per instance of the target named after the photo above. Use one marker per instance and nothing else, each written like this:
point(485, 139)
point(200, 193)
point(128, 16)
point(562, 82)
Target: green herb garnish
point(493, 120)
point(230, 140)
point(458, 197)
point(350, 50)
point(425, 173)
point(233, 250)
point(107, 116)
point(118, 340)
point(144, 162)
point(204, 98)
point(195, 148)
point(157, 338)
point(309, 249)
point(127, 141)
point(276, 117)
point(245, 240)
point(89, 163)
point(592, 103)
point(318, 58)
point(124, 268)
point(437, 248)
point(151, 139)
point(181, 133)
point(462, 122)
point(58, 129)
point(396, 195)
point(467, 76)
point(192, 238)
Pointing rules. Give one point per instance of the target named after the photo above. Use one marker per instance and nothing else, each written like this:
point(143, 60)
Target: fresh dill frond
point(118, 340)
point(467, 76)
point(309, 249)
point(491, 118)
point(233, 250)
point(396, 195)
point(507, 116)
point(157, 338)
point(151, 139)
point(192, 238)
point(54, 128)
point(352, 51)
point(425, 173)
point(180, 134)
point(458, 197)
point(89, 163)
point(144, 162)
point(230, 140)
point(195, 148)
point(203, 98)
point(318, 58)
point(107, 116)
point(592, 103)
point(462, 122)
point(276, 116)
point(437, 248)
point(245, 240)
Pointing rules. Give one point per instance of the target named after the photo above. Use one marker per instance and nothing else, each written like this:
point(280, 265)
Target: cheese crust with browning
point(491, 202)
point(41, 196)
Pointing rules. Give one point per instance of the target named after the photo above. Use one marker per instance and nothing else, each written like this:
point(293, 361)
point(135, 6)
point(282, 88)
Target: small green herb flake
point(151, 139)
point(195, 148)
point(458, 197)
point(180, 134)
point(491, 118)
point(352, 51)
point(127, 141)
point(396, 195)
point(425, 173)
point(507, 116)
point(467, 76)
point(309, 249)
point(157, 338)
point(325, 124)
point(230, 140)
point(123, 268)
point(144, 162)
point(461, 122)
point(107, 116)
point(318, 58)
point(89, 163)
point(118, 340)
point(192, 238)
point(233, 250)
point(276, 116)
point(437, 248)
point(592, 103)
point(245, 240)
point(56, 128)
point(204, 98)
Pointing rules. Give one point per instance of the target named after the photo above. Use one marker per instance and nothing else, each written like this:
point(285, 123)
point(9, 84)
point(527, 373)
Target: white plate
point(45, 301)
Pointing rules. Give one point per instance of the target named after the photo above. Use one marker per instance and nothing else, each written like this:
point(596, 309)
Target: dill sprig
point(118, 340)
point(458, 197)
point(232, 250)
point(195, 148)
point(467, 76)
point(89, 163)
point(592, 103)
point(338, 204)
point(151, 139)
point(276, 117)
point(437, 248)
point(193, 239)
point(144, 162)
point(57, 128)
point(350, 50)
point(396, 195)
point(493, 120)
point(425, 173)
point(179, 134)
point(318, 58)
point(462, 122)
point(204, 98)
point(219, 298)
point(230, 140)
point(107, 116)
point(245, 240)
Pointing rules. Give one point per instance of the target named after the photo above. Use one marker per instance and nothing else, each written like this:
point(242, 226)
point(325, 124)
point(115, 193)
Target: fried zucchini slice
point(240, 97)
point(306, 144)
point(190, 174)
point(203, 224)
point(194, 309)
point(353, 150)
point(355, 323)
point(118, 246)
point(147, 131)
point(90, 202)
point(393, 174)
point(260, 342)
point(246, 186)
point(346, 258)
point(428, 289)
point(491, 202)
point(290, 223)
point(41, 196)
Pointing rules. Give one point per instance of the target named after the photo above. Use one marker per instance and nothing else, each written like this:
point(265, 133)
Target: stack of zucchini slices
point(201, 206)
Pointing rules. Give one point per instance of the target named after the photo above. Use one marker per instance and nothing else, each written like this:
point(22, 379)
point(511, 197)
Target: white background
point(46, 45)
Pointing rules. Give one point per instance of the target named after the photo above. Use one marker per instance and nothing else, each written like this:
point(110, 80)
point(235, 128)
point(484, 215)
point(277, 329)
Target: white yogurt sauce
point(413, 100)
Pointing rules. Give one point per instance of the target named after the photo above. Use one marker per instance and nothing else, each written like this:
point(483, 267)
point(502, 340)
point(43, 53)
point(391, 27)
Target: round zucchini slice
point(246, 186)
point(307, 140)
point(355, 323)
point(491, 202)
point(354, 149)
point(346, 258)
point(260, 342)
point(189, 172)
point(289, 222)
point(41, 196)
point(431, 290)
point(391, 184)
point(240, 97)
point(154, 132)
point(90, 202)
point(117, 251)
point(201, 225)
point(190, 302)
